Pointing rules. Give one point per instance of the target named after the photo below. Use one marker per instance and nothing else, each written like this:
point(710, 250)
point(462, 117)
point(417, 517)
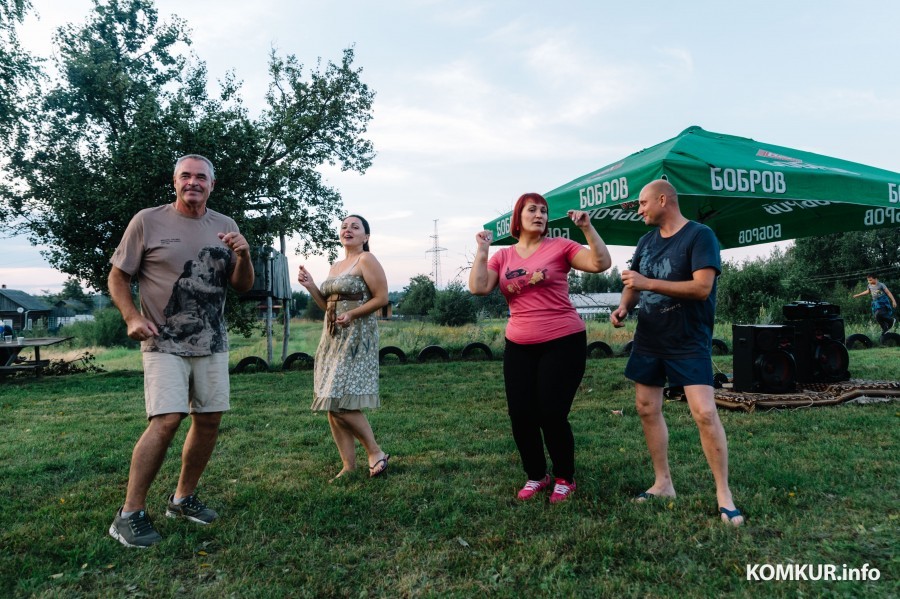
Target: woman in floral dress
point(346, 364)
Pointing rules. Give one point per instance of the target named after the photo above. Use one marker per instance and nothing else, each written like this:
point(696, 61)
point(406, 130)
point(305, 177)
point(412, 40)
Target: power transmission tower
point(436, 257)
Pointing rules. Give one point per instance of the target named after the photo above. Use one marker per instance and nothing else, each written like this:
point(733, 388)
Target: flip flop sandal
point(380, 466)
point(731, 514)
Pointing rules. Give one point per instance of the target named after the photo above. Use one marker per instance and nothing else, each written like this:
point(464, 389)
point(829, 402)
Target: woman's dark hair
point(365, 224)
point(515, 223)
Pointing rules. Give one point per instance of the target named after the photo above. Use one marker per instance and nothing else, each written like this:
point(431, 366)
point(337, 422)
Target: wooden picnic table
point(10, 361)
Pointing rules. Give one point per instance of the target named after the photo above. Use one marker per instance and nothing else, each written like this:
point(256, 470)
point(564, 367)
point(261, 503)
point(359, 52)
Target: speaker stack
point(807, 348)
point(763, 358)
point(819, 346)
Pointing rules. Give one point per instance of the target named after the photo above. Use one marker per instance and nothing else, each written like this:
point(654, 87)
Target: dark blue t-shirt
point(673, 327)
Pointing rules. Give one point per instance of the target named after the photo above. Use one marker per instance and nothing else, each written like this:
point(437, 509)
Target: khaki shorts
point(184, 384)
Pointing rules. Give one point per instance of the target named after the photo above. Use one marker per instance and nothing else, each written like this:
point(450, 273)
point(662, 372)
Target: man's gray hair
point(212, 169)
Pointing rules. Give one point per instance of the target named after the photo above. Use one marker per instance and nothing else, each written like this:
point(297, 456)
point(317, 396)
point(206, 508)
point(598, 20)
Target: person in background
point(673, 274)
point(184, 374)
point(545, 352)
point(883, 302)
point(345, 375)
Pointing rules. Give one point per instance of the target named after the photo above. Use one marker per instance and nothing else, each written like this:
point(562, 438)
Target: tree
point(492, 305)
point(418, 297)
point(832, 267)
point(71, 290)
point(453, 306)
point(299, 301)
point(17, 67)
point(826, 268)
point(576, 282)
point(591, 282)
point(845, 257)
point(595, 283)
point(103, 140)
point(751, 292)
point(615, 280)
point(314, 312)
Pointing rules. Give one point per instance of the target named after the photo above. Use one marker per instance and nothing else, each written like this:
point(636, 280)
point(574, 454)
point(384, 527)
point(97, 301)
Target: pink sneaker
point(533, 487)
point(562, 490)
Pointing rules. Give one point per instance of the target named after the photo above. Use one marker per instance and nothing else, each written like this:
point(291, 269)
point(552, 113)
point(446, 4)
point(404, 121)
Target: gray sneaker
point(191, 509)
point(134, 531)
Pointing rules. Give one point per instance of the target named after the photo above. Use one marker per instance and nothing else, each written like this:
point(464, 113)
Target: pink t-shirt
point(537, 291)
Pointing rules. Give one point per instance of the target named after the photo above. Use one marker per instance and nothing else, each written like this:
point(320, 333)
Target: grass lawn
point(819, 486)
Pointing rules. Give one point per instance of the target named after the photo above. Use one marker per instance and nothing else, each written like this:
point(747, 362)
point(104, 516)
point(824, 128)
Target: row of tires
point(860, 341)
point(388, 354)
point(392, 354)
point(480, 351)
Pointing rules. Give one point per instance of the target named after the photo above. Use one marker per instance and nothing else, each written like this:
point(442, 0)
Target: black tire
point(719, 380)
point(674, 393)
point(626, 351)
point(719, 347)
point(433, 351)
point(251, 364)
point(598, 349)
point(473, 349)
point(856, 340)
point(391, 350)
point(298, 361)
point(890, 339)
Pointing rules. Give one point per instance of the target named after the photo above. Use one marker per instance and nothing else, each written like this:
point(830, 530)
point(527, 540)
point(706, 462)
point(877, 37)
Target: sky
point(480, 101)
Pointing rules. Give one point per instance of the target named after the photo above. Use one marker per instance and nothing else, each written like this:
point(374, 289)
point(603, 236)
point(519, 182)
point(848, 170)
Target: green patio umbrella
point(748, 192)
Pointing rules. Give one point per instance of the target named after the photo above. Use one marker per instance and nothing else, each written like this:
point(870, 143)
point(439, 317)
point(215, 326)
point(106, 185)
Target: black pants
point(884, 319)
point(541, 381)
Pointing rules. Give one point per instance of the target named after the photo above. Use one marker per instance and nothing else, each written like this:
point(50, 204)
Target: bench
point(31, 365)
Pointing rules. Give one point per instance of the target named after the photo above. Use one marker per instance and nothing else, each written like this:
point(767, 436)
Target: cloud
point(380, 172)
point(459, 15)
point(844, 104)
point(462, 113)
point(397, 215)
point(584, 84)
point(677, 59)
point(34, 280)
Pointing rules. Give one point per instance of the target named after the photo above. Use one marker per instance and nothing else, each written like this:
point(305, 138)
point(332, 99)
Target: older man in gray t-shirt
point(184, 256)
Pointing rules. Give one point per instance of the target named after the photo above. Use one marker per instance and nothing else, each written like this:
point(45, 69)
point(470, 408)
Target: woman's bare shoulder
point(368, 258)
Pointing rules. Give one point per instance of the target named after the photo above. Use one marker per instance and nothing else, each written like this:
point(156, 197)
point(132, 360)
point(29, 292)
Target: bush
point(314, 312)
point(106, 330)
point(453, 306)
point(747, 290)
point(418, 297)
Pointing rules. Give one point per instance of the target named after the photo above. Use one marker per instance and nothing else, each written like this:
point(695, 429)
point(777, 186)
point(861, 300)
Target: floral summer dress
point(346, 366)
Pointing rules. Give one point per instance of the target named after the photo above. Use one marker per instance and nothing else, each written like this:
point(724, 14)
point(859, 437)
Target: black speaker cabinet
point(804, 310)
point(763, 362)
point(819, 350)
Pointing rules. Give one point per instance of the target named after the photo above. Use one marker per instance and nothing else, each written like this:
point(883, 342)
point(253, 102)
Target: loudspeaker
point(819, 350)
point(804, 310)
point(762, 359)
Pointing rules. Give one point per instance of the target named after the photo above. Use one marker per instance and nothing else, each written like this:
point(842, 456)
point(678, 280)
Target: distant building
point(21, 310)
point(67, 311)
point(595, 305)
point(386, 312)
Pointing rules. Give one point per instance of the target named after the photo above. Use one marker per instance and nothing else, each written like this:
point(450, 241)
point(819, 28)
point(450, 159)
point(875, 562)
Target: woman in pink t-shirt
point(544, 357)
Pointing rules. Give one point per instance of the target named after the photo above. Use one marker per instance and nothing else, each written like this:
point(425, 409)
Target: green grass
point(819, 486)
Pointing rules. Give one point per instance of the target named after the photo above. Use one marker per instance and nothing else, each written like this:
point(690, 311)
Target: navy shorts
point(653, 371)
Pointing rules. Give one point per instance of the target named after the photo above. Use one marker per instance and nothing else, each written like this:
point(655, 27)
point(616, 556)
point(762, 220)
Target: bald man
point(673, 274)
